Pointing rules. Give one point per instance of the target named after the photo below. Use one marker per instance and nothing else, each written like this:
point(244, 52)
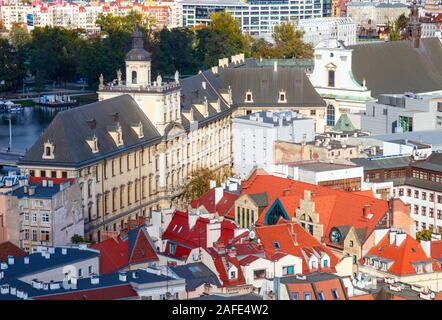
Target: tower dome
point(138, 53)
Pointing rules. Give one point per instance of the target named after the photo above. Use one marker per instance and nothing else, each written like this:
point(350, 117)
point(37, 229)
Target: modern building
point(403, 113)
point(319, 29)
point(256, 17)
point(254, 137)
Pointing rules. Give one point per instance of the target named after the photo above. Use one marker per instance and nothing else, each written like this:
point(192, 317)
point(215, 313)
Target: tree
point(289, 44)
point(76, 239)
point(111, 24)
point(54, 53)
point(10, 71)
point(398, 26)
point(221, 38)
point(424, 235)
point(174, 51)
point(199, 183)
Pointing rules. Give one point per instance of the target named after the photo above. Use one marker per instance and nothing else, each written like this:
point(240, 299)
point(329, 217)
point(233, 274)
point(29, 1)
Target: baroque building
point(133, 151)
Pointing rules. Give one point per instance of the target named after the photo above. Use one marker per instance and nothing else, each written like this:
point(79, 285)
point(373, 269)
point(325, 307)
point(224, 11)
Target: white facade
point(431, 29)
point(333, 79)
point(255, 134)
point(319, 29)
point(418, 151)
point(374, 13)
point(256, 17)
point(316, 176)
point(403, 113)
point(425, 205)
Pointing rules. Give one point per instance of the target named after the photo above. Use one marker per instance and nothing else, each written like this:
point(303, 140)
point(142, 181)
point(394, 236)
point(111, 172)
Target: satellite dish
point(252, 235)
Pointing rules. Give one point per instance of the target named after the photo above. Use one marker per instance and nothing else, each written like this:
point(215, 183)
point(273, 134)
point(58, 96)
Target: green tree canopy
point(199, 183)
point(10, 66)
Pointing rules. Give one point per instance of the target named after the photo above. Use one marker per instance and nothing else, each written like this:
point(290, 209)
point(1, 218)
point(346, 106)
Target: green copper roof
point(344, 124)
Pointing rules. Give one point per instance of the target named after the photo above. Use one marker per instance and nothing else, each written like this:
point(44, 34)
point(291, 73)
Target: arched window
point(134, 77)
point(330, 115)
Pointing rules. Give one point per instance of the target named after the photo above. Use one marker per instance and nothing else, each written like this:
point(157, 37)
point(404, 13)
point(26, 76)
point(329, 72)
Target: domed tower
point(138, 62)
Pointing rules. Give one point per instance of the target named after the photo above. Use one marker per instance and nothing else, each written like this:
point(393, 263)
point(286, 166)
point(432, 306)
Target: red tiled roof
point(207, 200)
point(436, 249)
point(315, 288)
point(221, 261)
point(143, 250)
point(335, 207)
point(248, 260)
point(301, 289)
point(247, 248)
point(7, 248)
point(327, 286)
point(109, 293)
point(302, 242)
point(178, 230)
point(362, 297)
point(113, 254)
point(403, 256)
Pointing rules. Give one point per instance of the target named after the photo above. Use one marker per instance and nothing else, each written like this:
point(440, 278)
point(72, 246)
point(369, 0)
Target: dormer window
point(48, 150)
point(282, 97)
point(138, 128)
point(93, 144)
point(116, 134)
point(249, 97)
point(232, 274)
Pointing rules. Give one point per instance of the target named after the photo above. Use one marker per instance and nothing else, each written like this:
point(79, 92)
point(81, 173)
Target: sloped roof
point(69, 130)
point(208, 201)
point(266, 84)
point(403, 256)
point(336, 208)
point(113, 254)
point(304, 241)
point(397, 67)
point(222, 263)
point(344, 124)
point(196, 274)
point(7, 248)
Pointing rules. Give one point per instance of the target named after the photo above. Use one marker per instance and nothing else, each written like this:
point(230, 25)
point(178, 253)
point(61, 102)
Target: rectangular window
point(321, 296)
point(44, 235)
point(34, 235)
point(335, 294)
point(307, 296)
point(44, 218)
point(295, 296)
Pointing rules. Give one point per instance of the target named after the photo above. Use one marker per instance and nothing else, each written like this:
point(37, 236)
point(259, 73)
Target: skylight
point(181, 228)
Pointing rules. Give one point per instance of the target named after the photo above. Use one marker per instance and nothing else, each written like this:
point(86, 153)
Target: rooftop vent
point(122, 276)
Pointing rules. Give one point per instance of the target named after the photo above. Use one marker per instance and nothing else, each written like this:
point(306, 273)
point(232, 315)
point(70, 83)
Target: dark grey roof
point(260, 199)
point(265, 85)
point(40, 192)
point(382, 163)
point(196, 274)
point(69, 129)
point(424, 184)
point(396, 67)
point(312, 277)
point(323, 166)
point(249, 296)
point(434, 163)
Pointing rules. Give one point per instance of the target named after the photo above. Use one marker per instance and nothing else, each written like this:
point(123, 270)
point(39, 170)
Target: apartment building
point(257, 17)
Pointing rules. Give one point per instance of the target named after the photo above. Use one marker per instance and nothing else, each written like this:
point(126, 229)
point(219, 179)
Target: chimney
point(233, 186)
point(73, 283)
point(231, 252)
point(366, 210)
point(10, 260)
point(25, 189)
point(44, 183)
point(400, 237)
point(122, 276)
point(31, 190)
point(392, 236)
point(275, 66)
point(54, 286)
point(4, 289)
point(219, 192)
point(64, 251)
point(212, 184)
point(219, 247)
point(203, 84)
point(3, 266)
point(50, 183)
point(26, 260)
point(95, 279)
point(426, 245)
point(192, 219)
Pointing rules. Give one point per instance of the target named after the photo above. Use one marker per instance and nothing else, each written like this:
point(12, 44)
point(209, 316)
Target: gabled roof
point(117, 253)
point(248, 260)
point(208, 201)
point(336, 208)
point(397, 67)
point(223, 262)
point(69, 130)
point(179, 231)
point(403, 256)
point(113, 254)
point(300, 243)
point(7, 248)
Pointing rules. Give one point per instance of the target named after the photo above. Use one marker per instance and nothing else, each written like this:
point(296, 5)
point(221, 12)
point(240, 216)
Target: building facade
point(256, 17)
point(319, 29)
